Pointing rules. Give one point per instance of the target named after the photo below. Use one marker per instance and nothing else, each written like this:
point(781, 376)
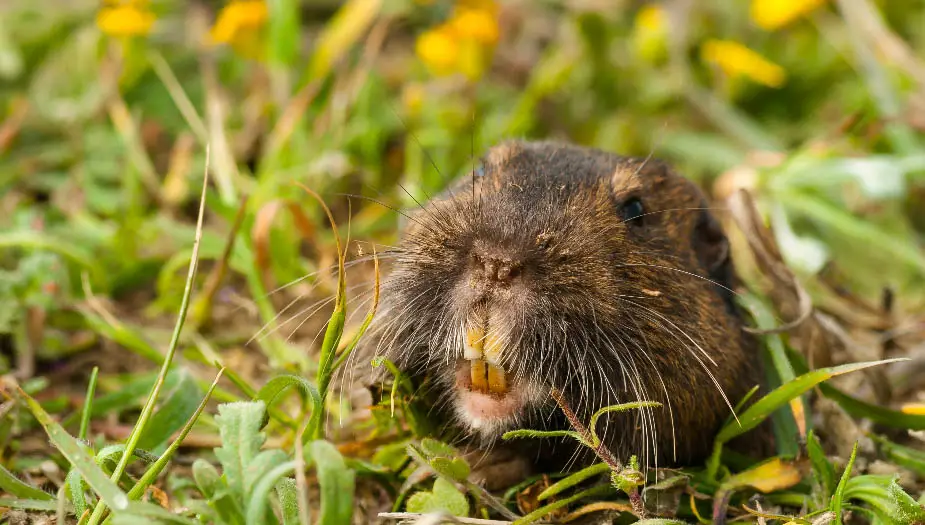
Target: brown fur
point(605, 311)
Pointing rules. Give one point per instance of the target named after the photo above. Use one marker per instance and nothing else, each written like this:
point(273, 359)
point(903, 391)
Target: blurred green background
point(107, 108)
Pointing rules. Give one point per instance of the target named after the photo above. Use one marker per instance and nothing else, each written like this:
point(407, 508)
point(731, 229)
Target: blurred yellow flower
point(439, 50)
point(463, 44)
point(125, 19)
point(475, 24)
point(914, 408)
point(650, 32)
point(737, 60)
point(774, 14)
point(239, 16)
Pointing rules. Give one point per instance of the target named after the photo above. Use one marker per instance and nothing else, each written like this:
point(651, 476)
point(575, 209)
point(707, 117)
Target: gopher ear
point(712, 248)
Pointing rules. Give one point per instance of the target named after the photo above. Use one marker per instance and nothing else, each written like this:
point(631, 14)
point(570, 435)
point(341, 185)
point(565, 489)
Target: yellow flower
point(914, 408)
point(439, 50)
point(737, 60)
point(774, 14)
point(239, 16)
point(475, 24)
point(125, 19)
point(650, 31)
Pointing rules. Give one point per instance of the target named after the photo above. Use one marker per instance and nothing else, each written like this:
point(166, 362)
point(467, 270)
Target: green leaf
point(538, 514)
point(823, 470)
point(142, 512)
point(257, 503)
point(271, 392)
point(239, 425)
point(574, 479)
point(886, 499)
point(178, 405)
point(910, 458)
point(29, 504)
point(13, 485)
point(71, 449)
point(336, 482)
point(160, 463)
point(216, 491)
point(444, 496)
point(283, 31)
point(75, 491)
point(288, 500)
point(838, 498)
point(764, 407)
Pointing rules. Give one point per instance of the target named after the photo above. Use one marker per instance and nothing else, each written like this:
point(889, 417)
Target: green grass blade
point(538, 514)
point(148, 409)
point(822, 467)
point(177, 406)
point(912, 459)
point(71, 449)
point(88, 404)
point(764, 407)
point(839, 496)
point(158, 466)
point(574, 479)
point(29, 504)
point(15, 486)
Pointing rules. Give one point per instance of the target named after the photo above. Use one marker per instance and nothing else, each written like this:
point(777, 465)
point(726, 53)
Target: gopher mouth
point(487, 397)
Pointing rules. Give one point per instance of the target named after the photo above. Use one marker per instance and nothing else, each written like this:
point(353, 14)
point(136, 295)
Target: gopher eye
point(632, 211)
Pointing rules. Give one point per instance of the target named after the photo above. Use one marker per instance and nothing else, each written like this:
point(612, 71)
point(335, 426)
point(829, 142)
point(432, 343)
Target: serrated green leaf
point(336, 482)
point(239, 425)
point(13, 485)
point(454, 468)
point(288, 501)
point(75, 491)
point(443, 497)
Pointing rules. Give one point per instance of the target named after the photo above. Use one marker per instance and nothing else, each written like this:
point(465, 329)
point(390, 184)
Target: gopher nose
point(495, 269)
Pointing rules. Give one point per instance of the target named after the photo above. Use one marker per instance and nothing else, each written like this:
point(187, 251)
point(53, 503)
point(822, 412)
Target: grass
point(176, 293)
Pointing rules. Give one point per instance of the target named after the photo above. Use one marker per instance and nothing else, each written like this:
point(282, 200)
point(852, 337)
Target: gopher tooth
point(475, 342)
point(479, 375)
point(492, 349)
point(497, 380)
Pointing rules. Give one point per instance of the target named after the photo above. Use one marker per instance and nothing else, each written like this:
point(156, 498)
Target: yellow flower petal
point(476, 24)
point(651, 18)
point(917, 409)
point(438, 50)
point(238, 15)
point(737, 60)
point(650, 33)
point(774, 14)
point(124, 20)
